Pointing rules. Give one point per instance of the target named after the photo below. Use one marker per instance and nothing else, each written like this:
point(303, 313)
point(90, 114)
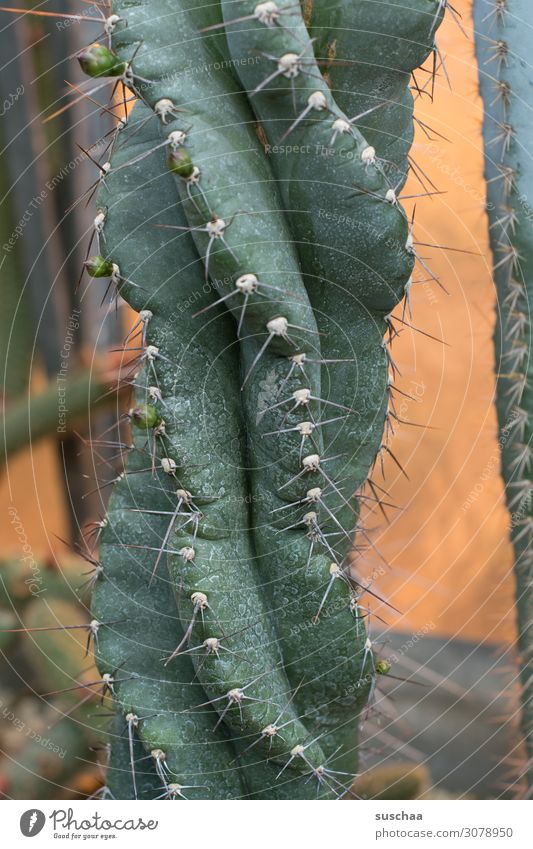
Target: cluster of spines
point(313, 464)
point(279, 328)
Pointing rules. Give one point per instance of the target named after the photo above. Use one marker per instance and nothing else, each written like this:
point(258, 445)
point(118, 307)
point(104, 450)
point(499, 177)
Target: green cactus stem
point(121, 782)
point(503, 45)
point(291, 331)
point(370, 50)
point(98, 266)
point(356, 253)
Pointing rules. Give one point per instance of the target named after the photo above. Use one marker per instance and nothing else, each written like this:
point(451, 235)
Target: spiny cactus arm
point(234, 164)
point(144, 782)
point(355, 250)
point(299, 543)
point(196, 375)
point(370, 49)
point(328, 645)
point(503, 46)
point(229, 198)
point(265, 248)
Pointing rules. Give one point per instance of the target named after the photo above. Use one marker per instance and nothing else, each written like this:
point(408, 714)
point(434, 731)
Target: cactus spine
point(253, 685)
point(503, 44)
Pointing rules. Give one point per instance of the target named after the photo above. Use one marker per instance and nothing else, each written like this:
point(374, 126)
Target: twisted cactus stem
point(503, 45)
point(121, 782)
point(194, 511)
point(227, 191)
point(357, 256)
point(286, 468)
point(268, 611)
point(156, 703)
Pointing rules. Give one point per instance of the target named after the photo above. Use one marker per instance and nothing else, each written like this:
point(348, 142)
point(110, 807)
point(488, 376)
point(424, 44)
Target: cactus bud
point(98, 266)
point(144, 416)
point(179, 162)
point(383, 667)
point(98, 61)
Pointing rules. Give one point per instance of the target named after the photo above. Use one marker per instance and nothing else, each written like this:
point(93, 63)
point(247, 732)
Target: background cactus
point(210, 552)
point(271, 616)
point(198, 450)
point(42, 247)
point(503, 38)
point(227, 542)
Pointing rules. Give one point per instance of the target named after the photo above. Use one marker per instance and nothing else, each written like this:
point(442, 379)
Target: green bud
point(383, 667)
point(179, 162)
point(98, 61)
point(98, 266)
point(145, 417)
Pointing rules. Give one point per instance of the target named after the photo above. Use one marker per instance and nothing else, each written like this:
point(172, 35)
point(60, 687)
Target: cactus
point(372, 48)
point(262, 385)
point(16, 330)
point(28, 420)
point(44, 741)
point(503, 37)
point(122, 782)
point(357, 255)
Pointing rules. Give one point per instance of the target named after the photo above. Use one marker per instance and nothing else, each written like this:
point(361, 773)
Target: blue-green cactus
point(253, 436)
point(370, 50)
point(503, 44)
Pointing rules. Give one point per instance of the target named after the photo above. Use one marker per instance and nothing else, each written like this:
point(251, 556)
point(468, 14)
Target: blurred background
point(449, 563)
